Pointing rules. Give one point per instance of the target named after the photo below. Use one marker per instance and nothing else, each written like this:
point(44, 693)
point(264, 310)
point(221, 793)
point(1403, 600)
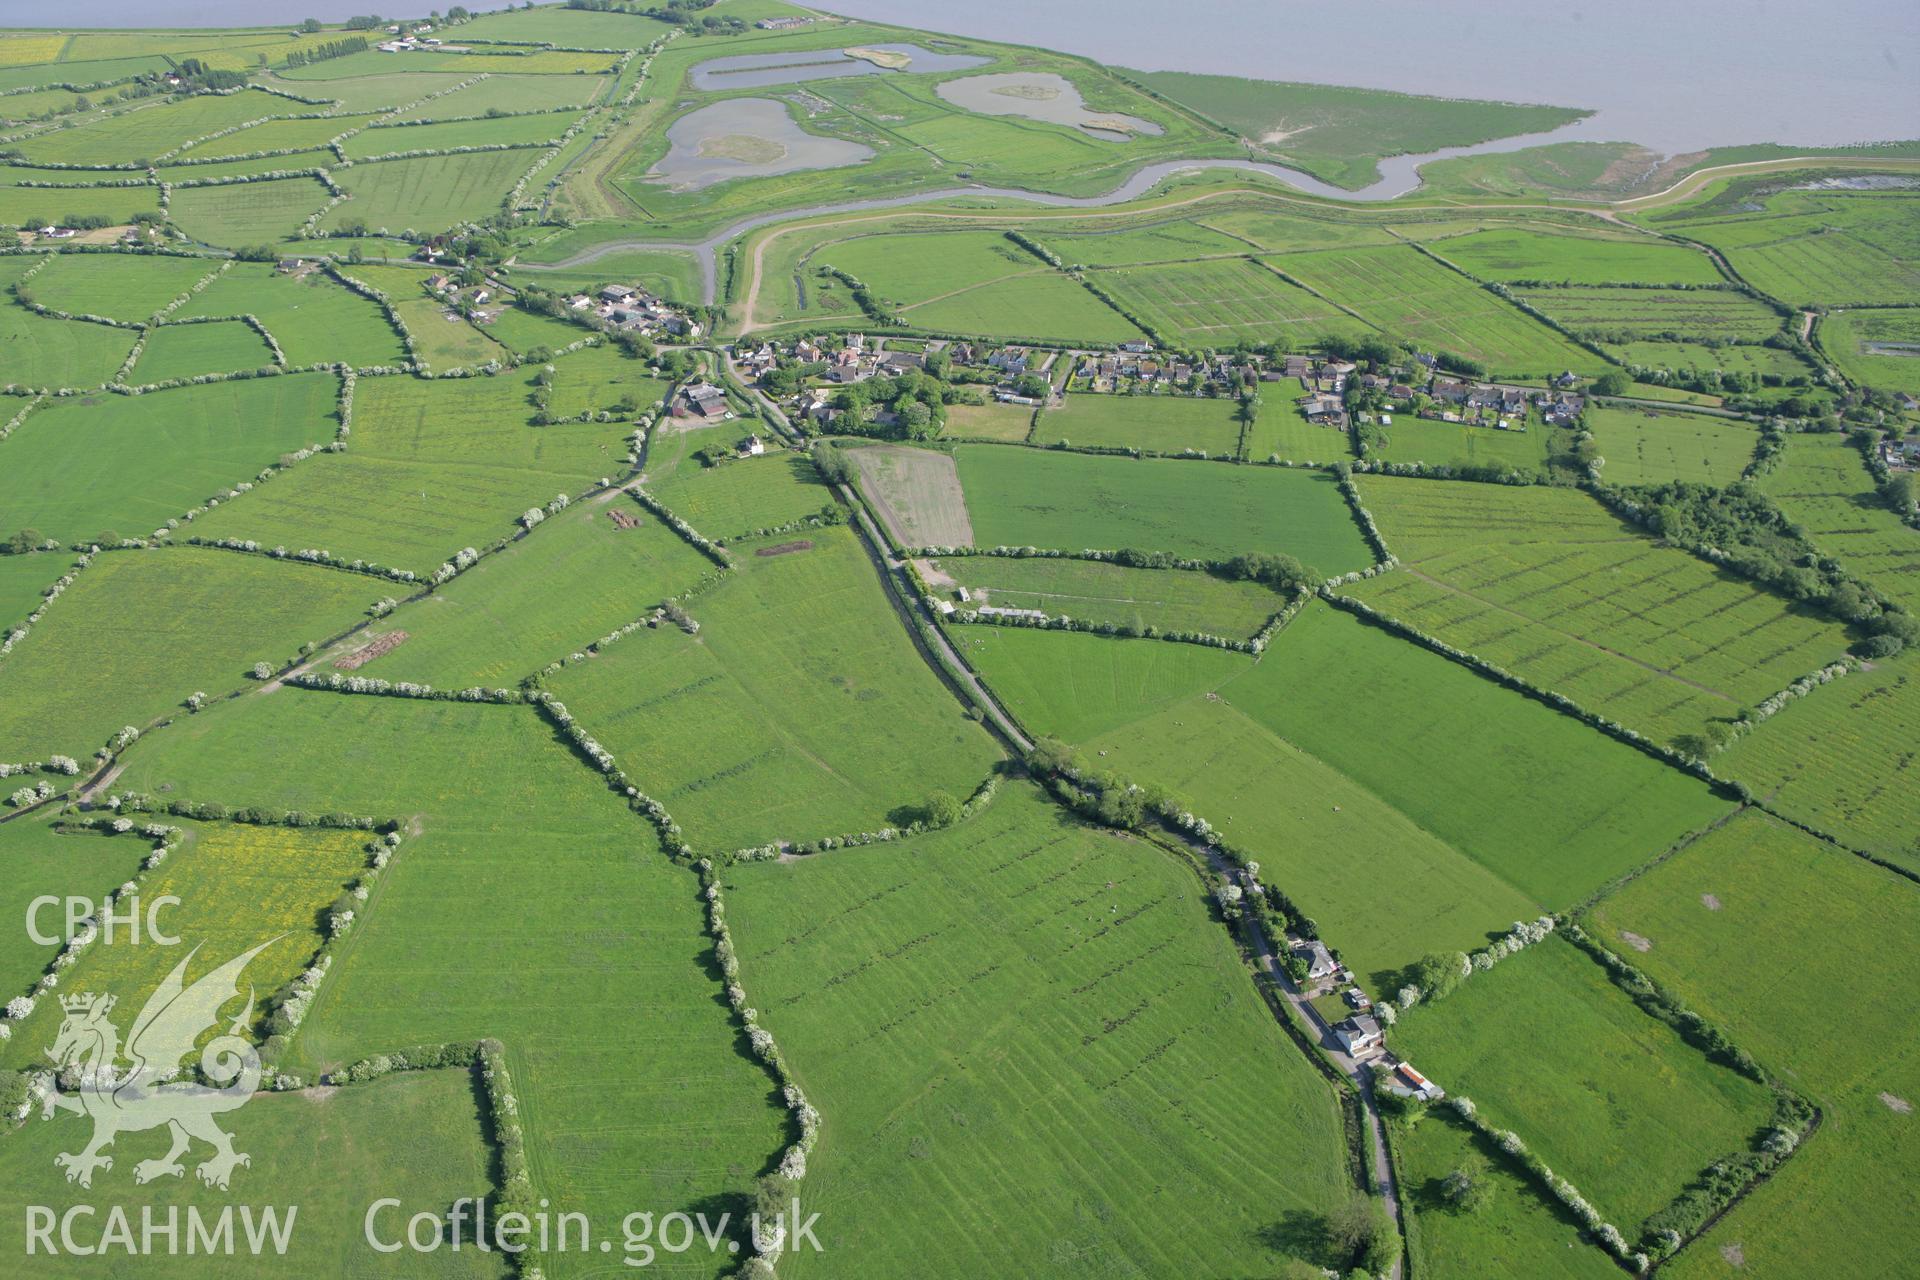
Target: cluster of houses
point(1359, 1035)
point(1424, 391)
point(856, 359)
point(1901, 455)
point(409, 41)
point(634, 310)
point(1137, 365)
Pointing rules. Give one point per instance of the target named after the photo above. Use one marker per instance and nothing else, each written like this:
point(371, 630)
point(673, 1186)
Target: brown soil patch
point(621, 519)
point(785, 548)
point(368, 652)
point(1734, 1254)
point(1710, 902)
point(320, 1093)
point(934, 575)
point(1635, 941)
point(1897, 1104)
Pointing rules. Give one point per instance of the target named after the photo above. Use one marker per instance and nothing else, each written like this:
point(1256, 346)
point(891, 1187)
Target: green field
point(233, 215)
point(739, 497)
point(1411, 439)
point(237, 888)
point(43, 351)
point(428, 194)
point(419, 1133)
point(150, 131)
point(85, 465)
point(37, 206)
point(509, 131)
point(1223, 302)
point(1825, 487)
point(1082, 1059)
point(185, 350)
point(118, 287)
point(1813, 248)
point(1155, 424)
point(1841, 760)
point(141, 630)
point(310, 316)
point(650, 1099)
point(574, 579)
point(1625, 315)
point(1130, 245)
point(1550, 256)
point(1714, 920)
point(506, 92)
point(1878, 348)
point(37, 861)
point(1518, 1233)
point(434, 466)
point(1169, 599)
point(1548, 584)
point(1414, 298)
point(273, 135)
point(1021, 497)
point(1613, 1100)
point(1646, 446)
point(1685, 357)
point(825, 725)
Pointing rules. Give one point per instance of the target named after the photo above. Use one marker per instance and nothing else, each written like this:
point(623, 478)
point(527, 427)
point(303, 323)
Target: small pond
point(763, 70)
point(1041, 96)
point(745, 138)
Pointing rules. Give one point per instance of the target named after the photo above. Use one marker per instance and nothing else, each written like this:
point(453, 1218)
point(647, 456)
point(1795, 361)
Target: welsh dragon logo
point(145, 1095)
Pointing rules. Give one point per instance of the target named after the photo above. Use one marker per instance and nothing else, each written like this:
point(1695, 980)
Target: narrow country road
point(1323, 1035)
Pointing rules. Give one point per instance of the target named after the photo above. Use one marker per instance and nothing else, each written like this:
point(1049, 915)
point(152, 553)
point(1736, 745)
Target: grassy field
point(1140, 242)
point(416, 1135)
point(428, 194)
point(311, 317)
point(506, 92)
point(1623, 315)
point(443, 338)
point(37, 206)
point(1812, 248)
point(1549, 585)
point(1280, 434)
point(23, 578)
point(573, 580)
point(1338, 133)
point(1646, 446)
point(1415, 298)
point(36, 861)
point(1714, 921)
point(435, 466)
point(149, 131)
point(237, 887)
point(1088, 1080)
point(1826, 488)
point(307, 134)
point(1500, 795)
point(248, 213)
point(916, 493)
point(1222, 302)
point(1158, 424)
point(85, 465)
point(46, 352)
point(1383, 890)
point(1612, 1099)
point(823, 725)
point(184, 350)
point(117, 286)
point(595, 970)
point(1411, 439)
point(145, 629)
point(738, 497)
point(1172, 600)
point(1842, 761)
point(1021, 497)
point(510, 131)
point(1550, 256)
point(1518, 1233)
point(1009, 423)
point(1682, 357)
point(1863, 344)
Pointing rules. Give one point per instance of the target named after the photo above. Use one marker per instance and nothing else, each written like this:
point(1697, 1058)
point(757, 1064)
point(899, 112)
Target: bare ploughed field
point(916, 492)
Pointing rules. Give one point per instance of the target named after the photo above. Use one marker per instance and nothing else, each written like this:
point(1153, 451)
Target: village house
point(752, 447)
point(1298, 367)
point(1358, 1035)
point(1011, 361)
point(1320, 961)
point(1136, 348)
